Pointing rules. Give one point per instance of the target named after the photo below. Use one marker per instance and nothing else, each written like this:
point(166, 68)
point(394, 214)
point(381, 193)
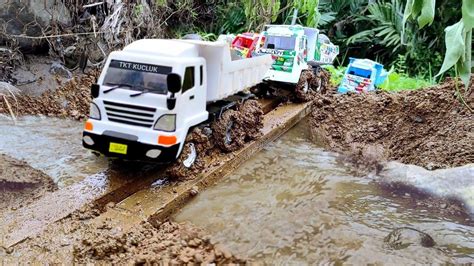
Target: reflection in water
point(51, 145)
point(294, 204)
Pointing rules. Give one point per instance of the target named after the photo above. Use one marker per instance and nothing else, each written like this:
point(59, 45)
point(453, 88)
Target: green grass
point(394, 82)
point(399, 82)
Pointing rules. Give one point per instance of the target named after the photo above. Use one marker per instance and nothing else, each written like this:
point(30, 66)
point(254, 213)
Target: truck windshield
point(137, 76)
point(280, 43)
point(364, 73)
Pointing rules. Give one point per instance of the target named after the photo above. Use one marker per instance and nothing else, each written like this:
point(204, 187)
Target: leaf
point(427, 13)
point(468, 13)
point(455, 46)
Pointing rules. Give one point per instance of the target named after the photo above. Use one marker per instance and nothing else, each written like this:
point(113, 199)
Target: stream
point(295, 203)
point(51, 145)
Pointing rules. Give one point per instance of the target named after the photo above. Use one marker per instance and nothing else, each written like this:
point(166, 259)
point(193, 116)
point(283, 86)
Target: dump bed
point(225, 76)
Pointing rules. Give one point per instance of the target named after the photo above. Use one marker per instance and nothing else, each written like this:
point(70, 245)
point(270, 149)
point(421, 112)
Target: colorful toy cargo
point(246, 43)
point(362, 75)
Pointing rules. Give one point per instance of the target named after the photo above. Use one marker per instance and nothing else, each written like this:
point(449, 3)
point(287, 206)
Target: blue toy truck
point(362, 75)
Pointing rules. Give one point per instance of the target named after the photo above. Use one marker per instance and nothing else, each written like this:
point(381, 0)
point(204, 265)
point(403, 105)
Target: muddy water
point(52, 145)
point(293, 203)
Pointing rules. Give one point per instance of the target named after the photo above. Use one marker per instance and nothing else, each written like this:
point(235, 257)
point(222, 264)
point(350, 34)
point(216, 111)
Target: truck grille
point(130, 114)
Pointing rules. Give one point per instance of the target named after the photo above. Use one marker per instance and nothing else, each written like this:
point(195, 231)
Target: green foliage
point(398, 82)
point(387, 25)
point(260, 12)
point(458, 37)
point(394, 82)
point(337, 73)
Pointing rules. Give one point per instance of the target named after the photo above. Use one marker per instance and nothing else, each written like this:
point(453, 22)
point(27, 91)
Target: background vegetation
point(362, 28)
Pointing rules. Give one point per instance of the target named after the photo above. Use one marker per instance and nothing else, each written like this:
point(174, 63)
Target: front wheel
point(189, 162)
point(303, 91)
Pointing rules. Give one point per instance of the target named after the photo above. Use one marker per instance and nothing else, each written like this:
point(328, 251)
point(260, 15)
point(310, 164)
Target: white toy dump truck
point(151, 94)
point(294, 48)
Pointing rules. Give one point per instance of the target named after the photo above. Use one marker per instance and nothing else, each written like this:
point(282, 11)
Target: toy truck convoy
point(151, 94)
point(293, 47)
point(362, 75)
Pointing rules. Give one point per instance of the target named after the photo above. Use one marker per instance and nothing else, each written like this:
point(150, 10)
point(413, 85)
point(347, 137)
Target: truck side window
point(201, 69)
point(188, 78)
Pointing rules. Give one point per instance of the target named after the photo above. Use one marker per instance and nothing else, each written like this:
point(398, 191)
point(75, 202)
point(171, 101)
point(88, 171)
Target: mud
point(318, 83)
point(20, 184)
point(69, 99)
point(168, 242)
point(429, 127)
point(77, 240)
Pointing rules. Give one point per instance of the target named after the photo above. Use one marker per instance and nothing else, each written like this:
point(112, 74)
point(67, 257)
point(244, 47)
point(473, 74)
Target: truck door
point(192, 100)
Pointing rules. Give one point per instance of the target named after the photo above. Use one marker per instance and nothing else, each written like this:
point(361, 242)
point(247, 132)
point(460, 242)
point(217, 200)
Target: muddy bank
point(167, 242)
point(61, 98)
point(20, 184)
point(428, 127)
point(77, 239)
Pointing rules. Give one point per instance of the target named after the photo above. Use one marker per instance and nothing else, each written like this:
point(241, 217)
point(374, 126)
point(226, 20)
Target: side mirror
point(173, 82)
point(95, 90)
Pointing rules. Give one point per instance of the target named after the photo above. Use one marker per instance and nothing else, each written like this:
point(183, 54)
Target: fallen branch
point(9, 109)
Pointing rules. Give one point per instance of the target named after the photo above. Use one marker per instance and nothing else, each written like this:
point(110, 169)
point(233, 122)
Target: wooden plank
point(158, 203)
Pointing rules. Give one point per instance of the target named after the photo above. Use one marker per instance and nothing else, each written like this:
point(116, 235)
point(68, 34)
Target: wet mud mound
point(71, 99)
point(428, 127)
point(20, 184)
point(169, 242)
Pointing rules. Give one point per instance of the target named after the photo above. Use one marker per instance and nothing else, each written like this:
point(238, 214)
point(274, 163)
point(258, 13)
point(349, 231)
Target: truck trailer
point(150, 95)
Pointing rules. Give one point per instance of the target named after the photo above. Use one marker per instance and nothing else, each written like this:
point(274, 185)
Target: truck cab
point(362, 75)
point(135, 113)
point(153, 92)
point(288, 46)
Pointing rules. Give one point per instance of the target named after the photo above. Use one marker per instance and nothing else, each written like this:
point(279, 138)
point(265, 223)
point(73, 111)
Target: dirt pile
point(80, 239)
point(20, 184)
point(71, 99)
point(168, 242)
point(428, 127)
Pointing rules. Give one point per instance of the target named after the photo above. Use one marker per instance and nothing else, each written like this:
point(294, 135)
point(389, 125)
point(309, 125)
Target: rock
point(404, 237)
point(60, 70)
point(445, 183)
point(194, 191)
point(29, 17)
point(8, 89)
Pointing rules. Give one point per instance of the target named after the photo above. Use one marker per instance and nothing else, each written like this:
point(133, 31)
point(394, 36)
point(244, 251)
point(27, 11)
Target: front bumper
point(136, 151)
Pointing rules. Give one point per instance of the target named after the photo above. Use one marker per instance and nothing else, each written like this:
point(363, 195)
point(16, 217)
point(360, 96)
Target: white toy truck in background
point(294, 48)
point(153, 92)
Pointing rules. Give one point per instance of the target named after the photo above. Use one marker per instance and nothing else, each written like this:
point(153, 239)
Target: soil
point(168, 242)
point(428, 127)
point(76, 239)
point(20, 184)
point(71, 99)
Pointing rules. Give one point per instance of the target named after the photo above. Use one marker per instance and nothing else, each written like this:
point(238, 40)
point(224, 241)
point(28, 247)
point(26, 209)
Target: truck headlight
point(166, 123)
point(94, 112)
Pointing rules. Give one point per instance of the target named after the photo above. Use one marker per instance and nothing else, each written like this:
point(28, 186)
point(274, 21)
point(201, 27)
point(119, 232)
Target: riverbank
point(428, 127)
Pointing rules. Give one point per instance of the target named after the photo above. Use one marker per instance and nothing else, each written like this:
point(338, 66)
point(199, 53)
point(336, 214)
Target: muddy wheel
point(189, 162)
point(260, 90)
point(303, 91)
point(252, 119)
point(320, 81)
point(228, 134)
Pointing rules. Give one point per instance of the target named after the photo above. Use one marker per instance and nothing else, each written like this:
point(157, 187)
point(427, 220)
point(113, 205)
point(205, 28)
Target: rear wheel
point(228, 134)
point(252, 119)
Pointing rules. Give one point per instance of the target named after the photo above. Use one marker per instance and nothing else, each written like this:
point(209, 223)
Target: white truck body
point(130, 115)
point(226, 76)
